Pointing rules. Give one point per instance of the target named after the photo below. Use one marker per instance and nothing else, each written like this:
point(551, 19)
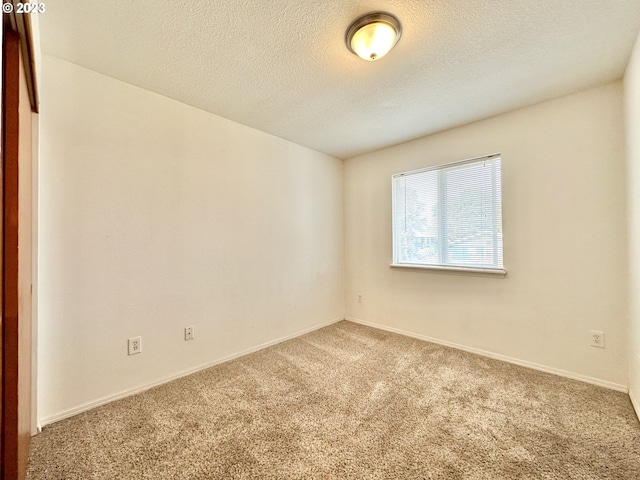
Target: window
point(449, 216)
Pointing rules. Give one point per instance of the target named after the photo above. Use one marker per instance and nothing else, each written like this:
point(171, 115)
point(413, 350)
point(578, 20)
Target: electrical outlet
point(135, 345)
point(359, 298)
point(189, 333)
point(597, 338)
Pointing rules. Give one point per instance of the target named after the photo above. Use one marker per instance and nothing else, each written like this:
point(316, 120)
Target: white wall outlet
point(359, 298)
point(597, 338)
point(189, 333)
point(135, 345)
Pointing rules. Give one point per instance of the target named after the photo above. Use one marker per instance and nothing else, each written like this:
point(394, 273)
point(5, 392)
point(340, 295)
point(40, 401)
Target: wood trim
point(1, 233)
point(16, 259)
point(10, 327)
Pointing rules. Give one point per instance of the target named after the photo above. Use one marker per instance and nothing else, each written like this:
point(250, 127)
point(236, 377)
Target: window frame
point(439, 267)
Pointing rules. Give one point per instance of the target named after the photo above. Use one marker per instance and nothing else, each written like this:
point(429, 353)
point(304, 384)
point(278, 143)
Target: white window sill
point(440, 268)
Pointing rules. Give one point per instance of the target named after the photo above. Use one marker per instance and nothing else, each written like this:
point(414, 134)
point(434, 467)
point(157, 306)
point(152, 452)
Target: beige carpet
point(351, 402)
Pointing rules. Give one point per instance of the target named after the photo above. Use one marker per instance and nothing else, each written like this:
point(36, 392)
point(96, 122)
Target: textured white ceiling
point(281, 66)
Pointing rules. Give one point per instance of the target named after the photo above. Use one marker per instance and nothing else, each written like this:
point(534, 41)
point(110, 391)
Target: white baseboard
point(634, 402)
point(126, 393)
point(497, 356)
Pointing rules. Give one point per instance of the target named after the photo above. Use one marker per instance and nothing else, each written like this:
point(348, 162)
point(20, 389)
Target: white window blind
point(449, 215)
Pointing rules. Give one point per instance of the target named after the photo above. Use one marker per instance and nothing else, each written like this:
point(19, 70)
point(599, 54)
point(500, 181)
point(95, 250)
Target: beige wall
point(565, 247)
point(632, 110)
point(143, 231)
point(155, 216)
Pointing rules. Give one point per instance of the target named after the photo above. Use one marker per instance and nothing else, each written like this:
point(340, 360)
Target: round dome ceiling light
point(373, 35)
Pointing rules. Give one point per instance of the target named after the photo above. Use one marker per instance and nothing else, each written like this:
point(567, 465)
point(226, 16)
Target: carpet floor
point(351, 402)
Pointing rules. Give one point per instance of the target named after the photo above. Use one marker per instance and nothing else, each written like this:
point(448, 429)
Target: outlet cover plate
point(135, 345)
point(597, 338)
point(189, 333)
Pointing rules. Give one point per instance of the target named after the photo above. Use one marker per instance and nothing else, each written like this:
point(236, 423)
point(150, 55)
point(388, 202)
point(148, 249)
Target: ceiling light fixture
point(373, 35)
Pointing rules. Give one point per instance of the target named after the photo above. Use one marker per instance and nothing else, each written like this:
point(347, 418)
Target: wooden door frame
point(10, 326)
point(14, 441)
